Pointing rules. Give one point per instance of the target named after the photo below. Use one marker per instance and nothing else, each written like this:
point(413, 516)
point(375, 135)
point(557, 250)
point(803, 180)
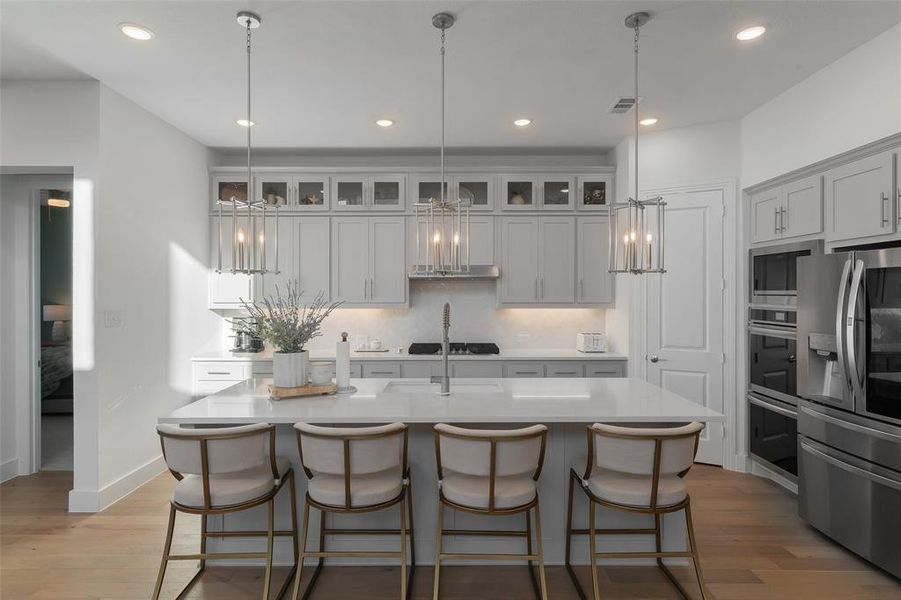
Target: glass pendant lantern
point(637, 226)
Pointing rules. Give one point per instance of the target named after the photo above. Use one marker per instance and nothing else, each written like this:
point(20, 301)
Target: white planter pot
point(290, 370)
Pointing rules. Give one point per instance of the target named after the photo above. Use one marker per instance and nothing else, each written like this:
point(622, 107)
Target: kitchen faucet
point(444, 380)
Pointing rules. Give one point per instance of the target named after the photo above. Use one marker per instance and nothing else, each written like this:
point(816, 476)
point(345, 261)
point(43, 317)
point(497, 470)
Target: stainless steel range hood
point(475, 273)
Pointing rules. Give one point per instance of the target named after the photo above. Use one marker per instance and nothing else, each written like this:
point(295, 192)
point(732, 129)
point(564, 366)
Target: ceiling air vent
point(623, 105)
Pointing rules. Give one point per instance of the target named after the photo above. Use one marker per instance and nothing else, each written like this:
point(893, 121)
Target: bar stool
point(639, 471)
point(490, 472)
point(221, 471)
point(351, 471)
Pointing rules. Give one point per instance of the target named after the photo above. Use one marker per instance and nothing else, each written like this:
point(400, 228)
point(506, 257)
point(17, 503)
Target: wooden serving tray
point(279, 393)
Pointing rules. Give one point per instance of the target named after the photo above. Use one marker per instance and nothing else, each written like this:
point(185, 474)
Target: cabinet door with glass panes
point(478, 188)
point(226, 188)
point(594, 192)
point(349, 192)
point(426, 186)
point(387, 191)
point(519, 192)
point(555, 192)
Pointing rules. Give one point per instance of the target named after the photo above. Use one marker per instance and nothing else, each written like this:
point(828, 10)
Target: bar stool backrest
point(643, 451)
point(211, 451)
point(352, 450)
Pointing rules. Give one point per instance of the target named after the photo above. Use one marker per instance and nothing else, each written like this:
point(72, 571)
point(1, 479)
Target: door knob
point(654, 358)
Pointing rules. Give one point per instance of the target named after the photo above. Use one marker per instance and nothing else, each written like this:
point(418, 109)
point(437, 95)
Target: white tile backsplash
point(474, 318)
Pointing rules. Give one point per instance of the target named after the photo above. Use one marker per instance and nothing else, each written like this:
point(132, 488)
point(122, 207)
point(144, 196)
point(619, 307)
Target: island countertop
point(550, 400)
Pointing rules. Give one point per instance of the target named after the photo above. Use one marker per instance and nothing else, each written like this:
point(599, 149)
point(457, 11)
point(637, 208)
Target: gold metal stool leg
point(540, 551)
point(303, 549)
point(167, 547)
point(694, 551)
point(592, 545)
point(438, 536)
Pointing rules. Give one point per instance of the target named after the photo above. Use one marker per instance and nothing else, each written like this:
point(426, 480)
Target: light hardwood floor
point(752, 544)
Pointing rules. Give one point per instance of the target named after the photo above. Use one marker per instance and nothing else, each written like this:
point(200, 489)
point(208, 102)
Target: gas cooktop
point(455, 348)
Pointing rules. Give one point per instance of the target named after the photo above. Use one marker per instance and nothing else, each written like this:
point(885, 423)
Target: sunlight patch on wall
point(83, 275)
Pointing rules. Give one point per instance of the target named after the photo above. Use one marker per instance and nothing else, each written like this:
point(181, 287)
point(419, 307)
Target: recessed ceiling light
point(751, 33)
point(649, 121)
point(245, 123)
point(136, 32)
point(385, 122)
point(522, 122)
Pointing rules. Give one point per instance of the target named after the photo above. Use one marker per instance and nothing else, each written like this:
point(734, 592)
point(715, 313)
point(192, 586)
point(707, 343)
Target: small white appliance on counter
point(591, 342)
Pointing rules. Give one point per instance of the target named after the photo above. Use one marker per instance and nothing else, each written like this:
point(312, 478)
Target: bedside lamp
point(59, 314)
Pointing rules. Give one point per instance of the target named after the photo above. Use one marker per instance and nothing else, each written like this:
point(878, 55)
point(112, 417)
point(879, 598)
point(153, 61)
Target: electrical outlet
point(112, 318)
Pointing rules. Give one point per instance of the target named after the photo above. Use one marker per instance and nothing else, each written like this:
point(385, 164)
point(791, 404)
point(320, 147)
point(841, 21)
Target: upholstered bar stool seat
point(220, 471)
point(637, 470)
point(352, 470)
point(490, 472)
point(635, 490)
point(227, 489)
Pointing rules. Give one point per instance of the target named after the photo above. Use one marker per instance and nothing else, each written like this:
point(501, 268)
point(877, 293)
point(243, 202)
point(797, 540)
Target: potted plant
point(288, 324)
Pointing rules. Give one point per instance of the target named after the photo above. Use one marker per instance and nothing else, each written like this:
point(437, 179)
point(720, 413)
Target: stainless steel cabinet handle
point(776, 221)
point(782, 225)
point(218, 373)
point(885, 219)
point(536, 289)
point(542, 287)
point(381, 372)
point(525, 373)
point(371, 288)
point(654, 358)
point(564, 373)
point(365, 289)
point(581, 290)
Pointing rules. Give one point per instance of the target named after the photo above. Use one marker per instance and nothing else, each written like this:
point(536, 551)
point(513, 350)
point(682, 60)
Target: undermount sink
point(456, 387)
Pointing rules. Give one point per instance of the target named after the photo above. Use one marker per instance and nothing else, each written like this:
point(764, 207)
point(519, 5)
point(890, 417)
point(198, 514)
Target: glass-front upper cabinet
point(227, 188)
point(478, 188)
point(556, 192)
point(595, 192)
point(518, 192)
point(292, 192)
point(349, 192)
point(387, 192)
point(425, 187)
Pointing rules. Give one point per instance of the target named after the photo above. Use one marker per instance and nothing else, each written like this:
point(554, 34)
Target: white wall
point(151, 269)
point(56, 124)
point(140, 254)
point(853, 101)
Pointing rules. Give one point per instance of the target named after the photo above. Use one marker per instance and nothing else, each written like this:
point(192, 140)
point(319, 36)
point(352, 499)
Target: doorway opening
point(54, 282)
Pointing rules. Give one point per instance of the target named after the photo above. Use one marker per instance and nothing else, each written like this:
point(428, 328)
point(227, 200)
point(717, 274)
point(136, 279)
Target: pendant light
point(442, 223)
point(637, 226)
point(249, 241)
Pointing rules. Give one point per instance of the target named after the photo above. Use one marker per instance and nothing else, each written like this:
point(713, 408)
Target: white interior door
point(685, 309)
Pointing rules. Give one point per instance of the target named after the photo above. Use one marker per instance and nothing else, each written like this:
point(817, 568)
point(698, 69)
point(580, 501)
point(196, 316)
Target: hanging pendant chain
point(249, 195)
point(443, 31)
point(636, 113)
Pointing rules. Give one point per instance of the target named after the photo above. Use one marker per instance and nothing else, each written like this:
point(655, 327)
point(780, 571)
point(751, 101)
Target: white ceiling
point(324, 71)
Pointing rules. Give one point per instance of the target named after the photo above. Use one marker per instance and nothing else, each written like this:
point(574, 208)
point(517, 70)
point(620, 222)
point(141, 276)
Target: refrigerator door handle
point(851, 330)
point(840, 322)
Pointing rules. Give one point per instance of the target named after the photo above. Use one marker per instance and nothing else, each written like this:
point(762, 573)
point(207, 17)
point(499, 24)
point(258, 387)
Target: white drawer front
point(381, 369)
point(524, 369)
point(565, 369)
point(605, 369)
point(221, 371)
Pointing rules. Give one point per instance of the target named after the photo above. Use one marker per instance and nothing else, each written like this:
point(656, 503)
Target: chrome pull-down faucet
point(444, 380)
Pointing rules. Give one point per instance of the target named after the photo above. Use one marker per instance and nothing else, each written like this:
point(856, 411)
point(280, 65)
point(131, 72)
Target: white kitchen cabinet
point(368, 260)
point(312, 245)
point(859, 198)
point(594, 282)
point(605, 368)
point(368, 192)
point(555, 192)
point(350, 259)
point(272, 283)
point(519, 192)
point(523, 369)
point(387, 257)
point(557, 260)
point(802, 207)
point(538, 260)
point(594, 192)
point(481, 240)
point(381, 369)
point(293, 192)
point(490, 369)
point(226, 187)
point(564, 369)
point(478, 188)
point(766, 210)
point(519, 261)
point(226, 289)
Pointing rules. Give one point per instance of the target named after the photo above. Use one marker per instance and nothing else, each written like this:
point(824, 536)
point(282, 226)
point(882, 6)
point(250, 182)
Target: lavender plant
point(287, 323)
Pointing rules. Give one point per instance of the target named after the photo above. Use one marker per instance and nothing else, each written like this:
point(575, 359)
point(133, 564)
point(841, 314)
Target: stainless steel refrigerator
point(849, 416)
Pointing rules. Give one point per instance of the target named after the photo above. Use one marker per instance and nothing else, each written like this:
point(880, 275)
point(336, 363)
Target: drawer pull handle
point(564, 372)
point(382, 372)
point(527, 372)
point(218, 372)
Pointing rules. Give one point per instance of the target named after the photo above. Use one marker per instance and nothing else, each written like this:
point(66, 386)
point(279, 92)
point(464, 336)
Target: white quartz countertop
point(551, 400)
point(394, 355)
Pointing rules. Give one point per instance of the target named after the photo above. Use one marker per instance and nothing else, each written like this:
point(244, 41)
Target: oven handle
point(851, 329)
point(840, 321)
point(786, 334)
point(837, 462)
point(776, 409)
point(868, 431)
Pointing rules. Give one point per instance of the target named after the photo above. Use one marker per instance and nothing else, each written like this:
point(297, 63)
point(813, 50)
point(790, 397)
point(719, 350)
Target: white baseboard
point(95, 501)
point(9, 469)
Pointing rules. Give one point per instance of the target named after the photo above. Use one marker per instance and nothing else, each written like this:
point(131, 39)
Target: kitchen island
point(565, 405)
